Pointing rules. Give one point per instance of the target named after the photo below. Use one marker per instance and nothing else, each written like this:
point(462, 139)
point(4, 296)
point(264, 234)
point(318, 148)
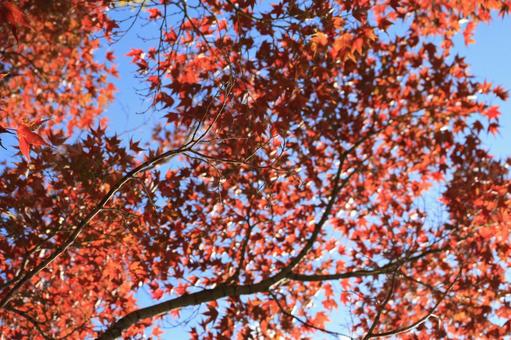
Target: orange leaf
point(469, 32)
point(31, 137)
point(320, 38)
point(26, 138)
point(344, 41)
point(24, 148)
point(358, 45)
point(492, 112)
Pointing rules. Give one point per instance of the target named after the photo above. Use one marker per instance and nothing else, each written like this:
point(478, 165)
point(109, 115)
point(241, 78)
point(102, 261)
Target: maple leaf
point(12, 14)
point(469, 32)
point(287, 155)
point(26, 139)
point(321, 319)
point(493, 128)
point(358, 45)
point(135, 53)
point(154, 13)
point(344, 42)
point(500, 92)
point(492, 112)
point(320, 38)
point(156, 332)
point(157, 294)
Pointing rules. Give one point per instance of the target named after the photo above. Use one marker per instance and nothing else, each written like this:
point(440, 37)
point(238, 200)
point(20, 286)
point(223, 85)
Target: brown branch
point(424, 318)
point(243, 251)
point(306, 323)
point(147, 165)
point(30, 319)
point(388, 268)
point(226, 290)
point(115, 330)
point(376, 320)
point(338, 185)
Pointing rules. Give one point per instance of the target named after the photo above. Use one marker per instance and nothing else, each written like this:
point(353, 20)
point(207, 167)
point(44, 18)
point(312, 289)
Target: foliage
point(297, 143)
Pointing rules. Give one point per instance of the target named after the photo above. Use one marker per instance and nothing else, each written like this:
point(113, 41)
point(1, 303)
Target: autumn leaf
point(12, 14)
point(358, 46)
point(318, 39)
point(344, 42)
point(492, 112)
point(321, 319)
point(154, 13)
point(26, 139)
point(500, 92)
point(292, 156)
point(468, 33)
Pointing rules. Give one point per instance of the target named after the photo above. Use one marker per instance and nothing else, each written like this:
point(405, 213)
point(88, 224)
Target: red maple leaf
point(492, 112)
point(26, 138)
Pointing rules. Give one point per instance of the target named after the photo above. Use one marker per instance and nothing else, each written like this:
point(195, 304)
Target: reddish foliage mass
point(47, 64)
point(299, 143)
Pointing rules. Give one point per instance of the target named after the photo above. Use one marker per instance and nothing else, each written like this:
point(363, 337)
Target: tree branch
point(388, 268)
point(305, 322)
point(79, 228)
point(30, 319)
point(376, 320)
point(147, 165)
point(225, 290)
point(424, 318)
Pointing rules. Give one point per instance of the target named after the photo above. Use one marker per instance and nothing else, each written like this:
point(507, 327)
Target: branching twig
point(306, 323)
point(424, 318)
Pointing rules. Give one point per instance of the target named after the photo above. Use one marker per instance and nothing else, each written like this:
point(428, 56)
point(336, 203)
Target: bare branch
point(388, 268)
point(376, 320)
point(305, 322)
point(424, 318)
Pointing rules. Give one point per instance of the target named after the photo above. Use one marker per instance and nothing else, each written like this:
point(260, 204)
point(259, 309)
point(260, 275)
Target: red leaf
point(500, 92)
point(26, 138)
point(154, 13)
point(157, 331)
point(30, 137)
point(135, 53)
point(493, 128)
point(358, 45)
point(492, 112)
point(24, 148)
point(321, 319)
point(469, 32)
point(157, 294)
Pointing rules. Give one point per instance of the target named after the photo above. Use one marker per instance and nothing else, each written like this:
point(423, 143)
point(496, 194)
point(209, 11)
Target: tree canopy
point(284, 186)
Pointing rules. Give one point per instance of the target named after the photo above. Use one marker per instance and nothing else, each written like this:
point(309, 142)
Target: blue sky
point(489, 59)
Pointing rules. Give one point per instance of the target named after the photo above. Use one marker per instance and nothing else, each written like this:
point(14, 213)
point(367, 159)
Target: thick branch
point(225, 290)
point(185, 300)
